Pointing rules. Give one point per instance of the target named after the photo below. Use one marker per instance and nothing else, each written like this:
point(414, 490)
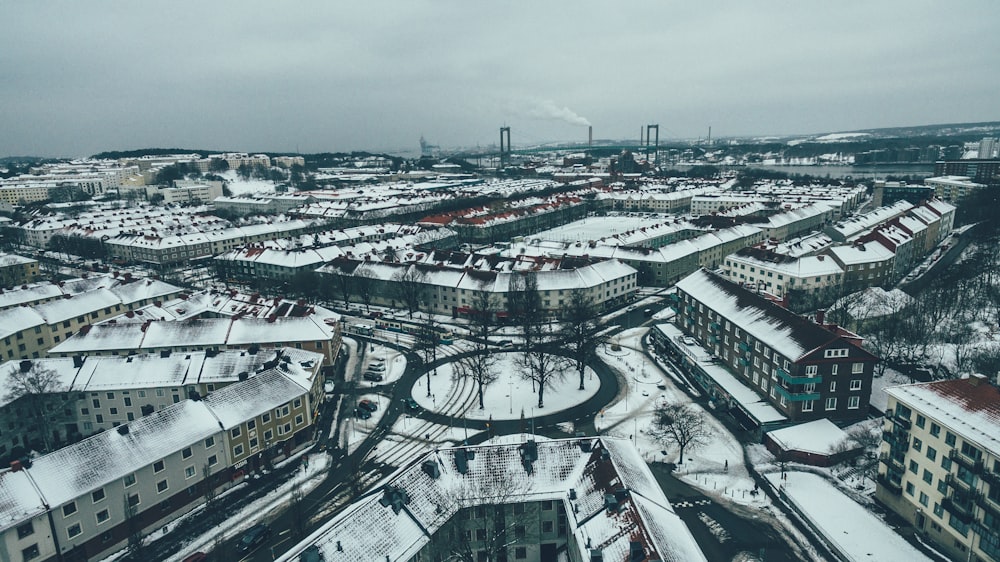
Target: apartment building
point(803, 369)
point(29, 332)
point(449, 282)
point(939, 464)
point(83, 501)
point(94, 394)
point(17, 270)
point(768, 271)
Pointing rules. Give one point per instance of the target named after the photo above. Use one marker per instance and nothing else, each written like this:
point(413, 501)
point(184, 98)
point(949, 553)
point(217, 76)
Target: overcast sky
point(78, 77)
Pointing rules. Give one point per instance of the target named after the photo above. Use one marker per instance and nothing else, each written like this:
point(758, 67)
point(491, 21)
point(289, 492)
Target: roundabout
point(511, 396)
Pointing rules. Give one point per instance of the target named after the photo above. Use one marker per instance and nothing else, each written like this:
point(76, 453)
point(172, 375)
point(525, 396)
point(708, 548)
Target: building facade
point(939, 464)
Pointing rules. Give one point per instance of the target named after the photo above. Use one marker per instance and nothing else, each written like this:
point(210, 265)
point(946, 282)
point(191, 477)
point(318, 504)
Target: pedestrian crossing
point(691, 503)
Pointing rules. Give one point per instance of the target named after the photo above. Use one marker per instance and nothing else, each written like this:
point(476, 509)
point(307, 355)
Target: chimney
point(976, 378)
point(820, 316)
point(25, 366)
point(15, 466)
point(590, 136)
point(77, 361)
point(122, 430)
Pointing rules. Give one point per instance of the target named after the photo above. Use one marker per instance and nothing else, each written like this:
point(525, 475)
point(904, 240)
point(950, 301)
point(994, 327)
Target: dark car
point(412, 405)
point(362, 414)
point(254, 537)
point(373, 377)
point(367, 404)
point(197, 557)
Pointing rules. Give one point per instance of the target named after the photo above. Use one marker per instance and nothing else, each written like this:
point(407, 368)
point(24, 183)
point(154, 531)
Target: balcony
point(785, 376)
point(890, 485)
point(744, 347)
point(797, 396)
point(901, 422)
point(961, 511)
point(959, 485)
point(991, 478)
point(713, 339)
point(974, 465)
point(743, 361)
point(715, 327)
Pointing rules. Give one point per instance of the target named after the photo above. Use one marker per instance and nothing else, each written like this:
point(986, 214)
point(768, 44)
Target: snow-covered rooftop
point(579, 473)
point(820, 437)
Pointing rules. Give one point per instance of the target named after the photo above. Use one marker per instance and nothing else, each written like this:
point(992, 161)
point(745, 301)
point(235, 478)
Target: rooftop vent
point(78, 361)
point(636, 552)
point(596, 555)
point(430, 467)
point(122, 430)
point(25, 366)
point(394, 497)
point(461, 462)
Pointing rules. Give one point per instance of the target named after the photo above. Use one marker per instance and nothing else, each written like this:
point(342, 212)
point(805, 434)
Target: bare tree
point(409, 288)
point(345, 284)
point(482, 318)
point(480, 367)
point(39, 390)
point(524, 306)
point(133, 526)
point(208, 489)
point(543, 368)
point(364, 284)
point(428, 338)
point(865, 436)
point(681, 425)
point(580, 332)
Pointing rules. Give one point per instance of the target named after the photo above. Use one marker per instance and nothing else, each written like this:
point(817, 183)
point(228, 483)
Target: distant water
point(855, 172)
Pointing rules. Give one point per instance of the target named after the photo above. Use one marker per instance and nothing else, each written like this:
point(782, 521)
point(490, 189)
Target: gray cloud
point(80, 77)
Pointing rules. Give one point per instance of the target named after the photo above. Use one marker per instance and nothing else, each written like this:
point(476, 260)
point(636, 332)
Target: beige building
point(939, 464)
point(17, 270)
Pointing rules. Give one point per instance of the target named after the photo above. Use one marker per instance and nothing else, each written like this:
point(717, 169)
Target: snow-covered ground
point(853, 529)
point(507, 398)
point(238, 186)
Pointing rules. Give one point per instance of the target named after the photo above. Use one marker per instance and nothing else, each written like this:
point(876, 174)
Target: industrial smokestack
point(590, 137)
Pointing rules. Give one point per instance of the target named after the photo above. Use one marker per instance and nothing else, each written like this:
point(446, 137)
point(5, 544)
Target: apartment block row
point(84, 395)
point(803, 369)
point(17, 270)
point(453, 282)
point(28, 331)
point(84, 501)
point(875, 250)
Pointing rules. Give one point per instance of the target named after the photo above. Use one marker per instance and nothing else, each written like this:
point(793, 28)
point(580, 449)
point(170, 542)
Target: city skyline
point(80, 79)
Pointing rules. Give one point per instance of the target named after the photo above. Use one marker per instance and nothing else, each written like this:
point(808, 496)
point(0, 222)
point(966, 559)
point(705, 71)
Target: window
point(833, 386)
point(924, 499)
point(235, 432)
point(266, 417)
point(853, 402)
point(297, 403)
point(857, 368)
point(299, 419)
point(30, 553)
point(921, 421)
point(928, 477)
point(970, 451)
point(810, 370)
point(253, 443)
point(103, 516)
point(237, 450)
point(188, 472)
point(161, 486)
point(129, 480)
point(917, 444)
point(946, 462)
point(97, 495)
point(69, 509)
point(833, 369)
point(213, 460)
point(935, 429)
point(831, 403)
point(186, 453)
point(25, 530)
point(546, 526)
point(835, 353)
point(942, 487)
point(909, 488)
point(932, 453)
point(914, 467)
point(73, 530)
point(252, 424)
point(268, 435)
point(210, 442)
point(133, 500)
point(938, 510)
point(520, 553)
point(949, 438)
point(547, 505)
point(855, 384)
point(807, 405)
point(158, 466)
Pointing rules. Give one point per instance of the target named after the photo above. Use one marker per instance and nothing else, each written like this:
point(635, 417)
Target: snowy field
point(507, 398)
point(238, 186)
point(594, 228)
point(856, 532)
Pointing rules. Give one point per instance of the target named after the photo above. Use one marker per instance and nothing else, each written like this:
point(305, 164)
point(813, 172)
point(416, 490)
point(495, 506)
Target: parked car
point(377, 367)
point(648, 312)
point(368, 405)
point(362, 414)
point(412, 405)
point(373, 377)
point(196, 557)
point(254, 537)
